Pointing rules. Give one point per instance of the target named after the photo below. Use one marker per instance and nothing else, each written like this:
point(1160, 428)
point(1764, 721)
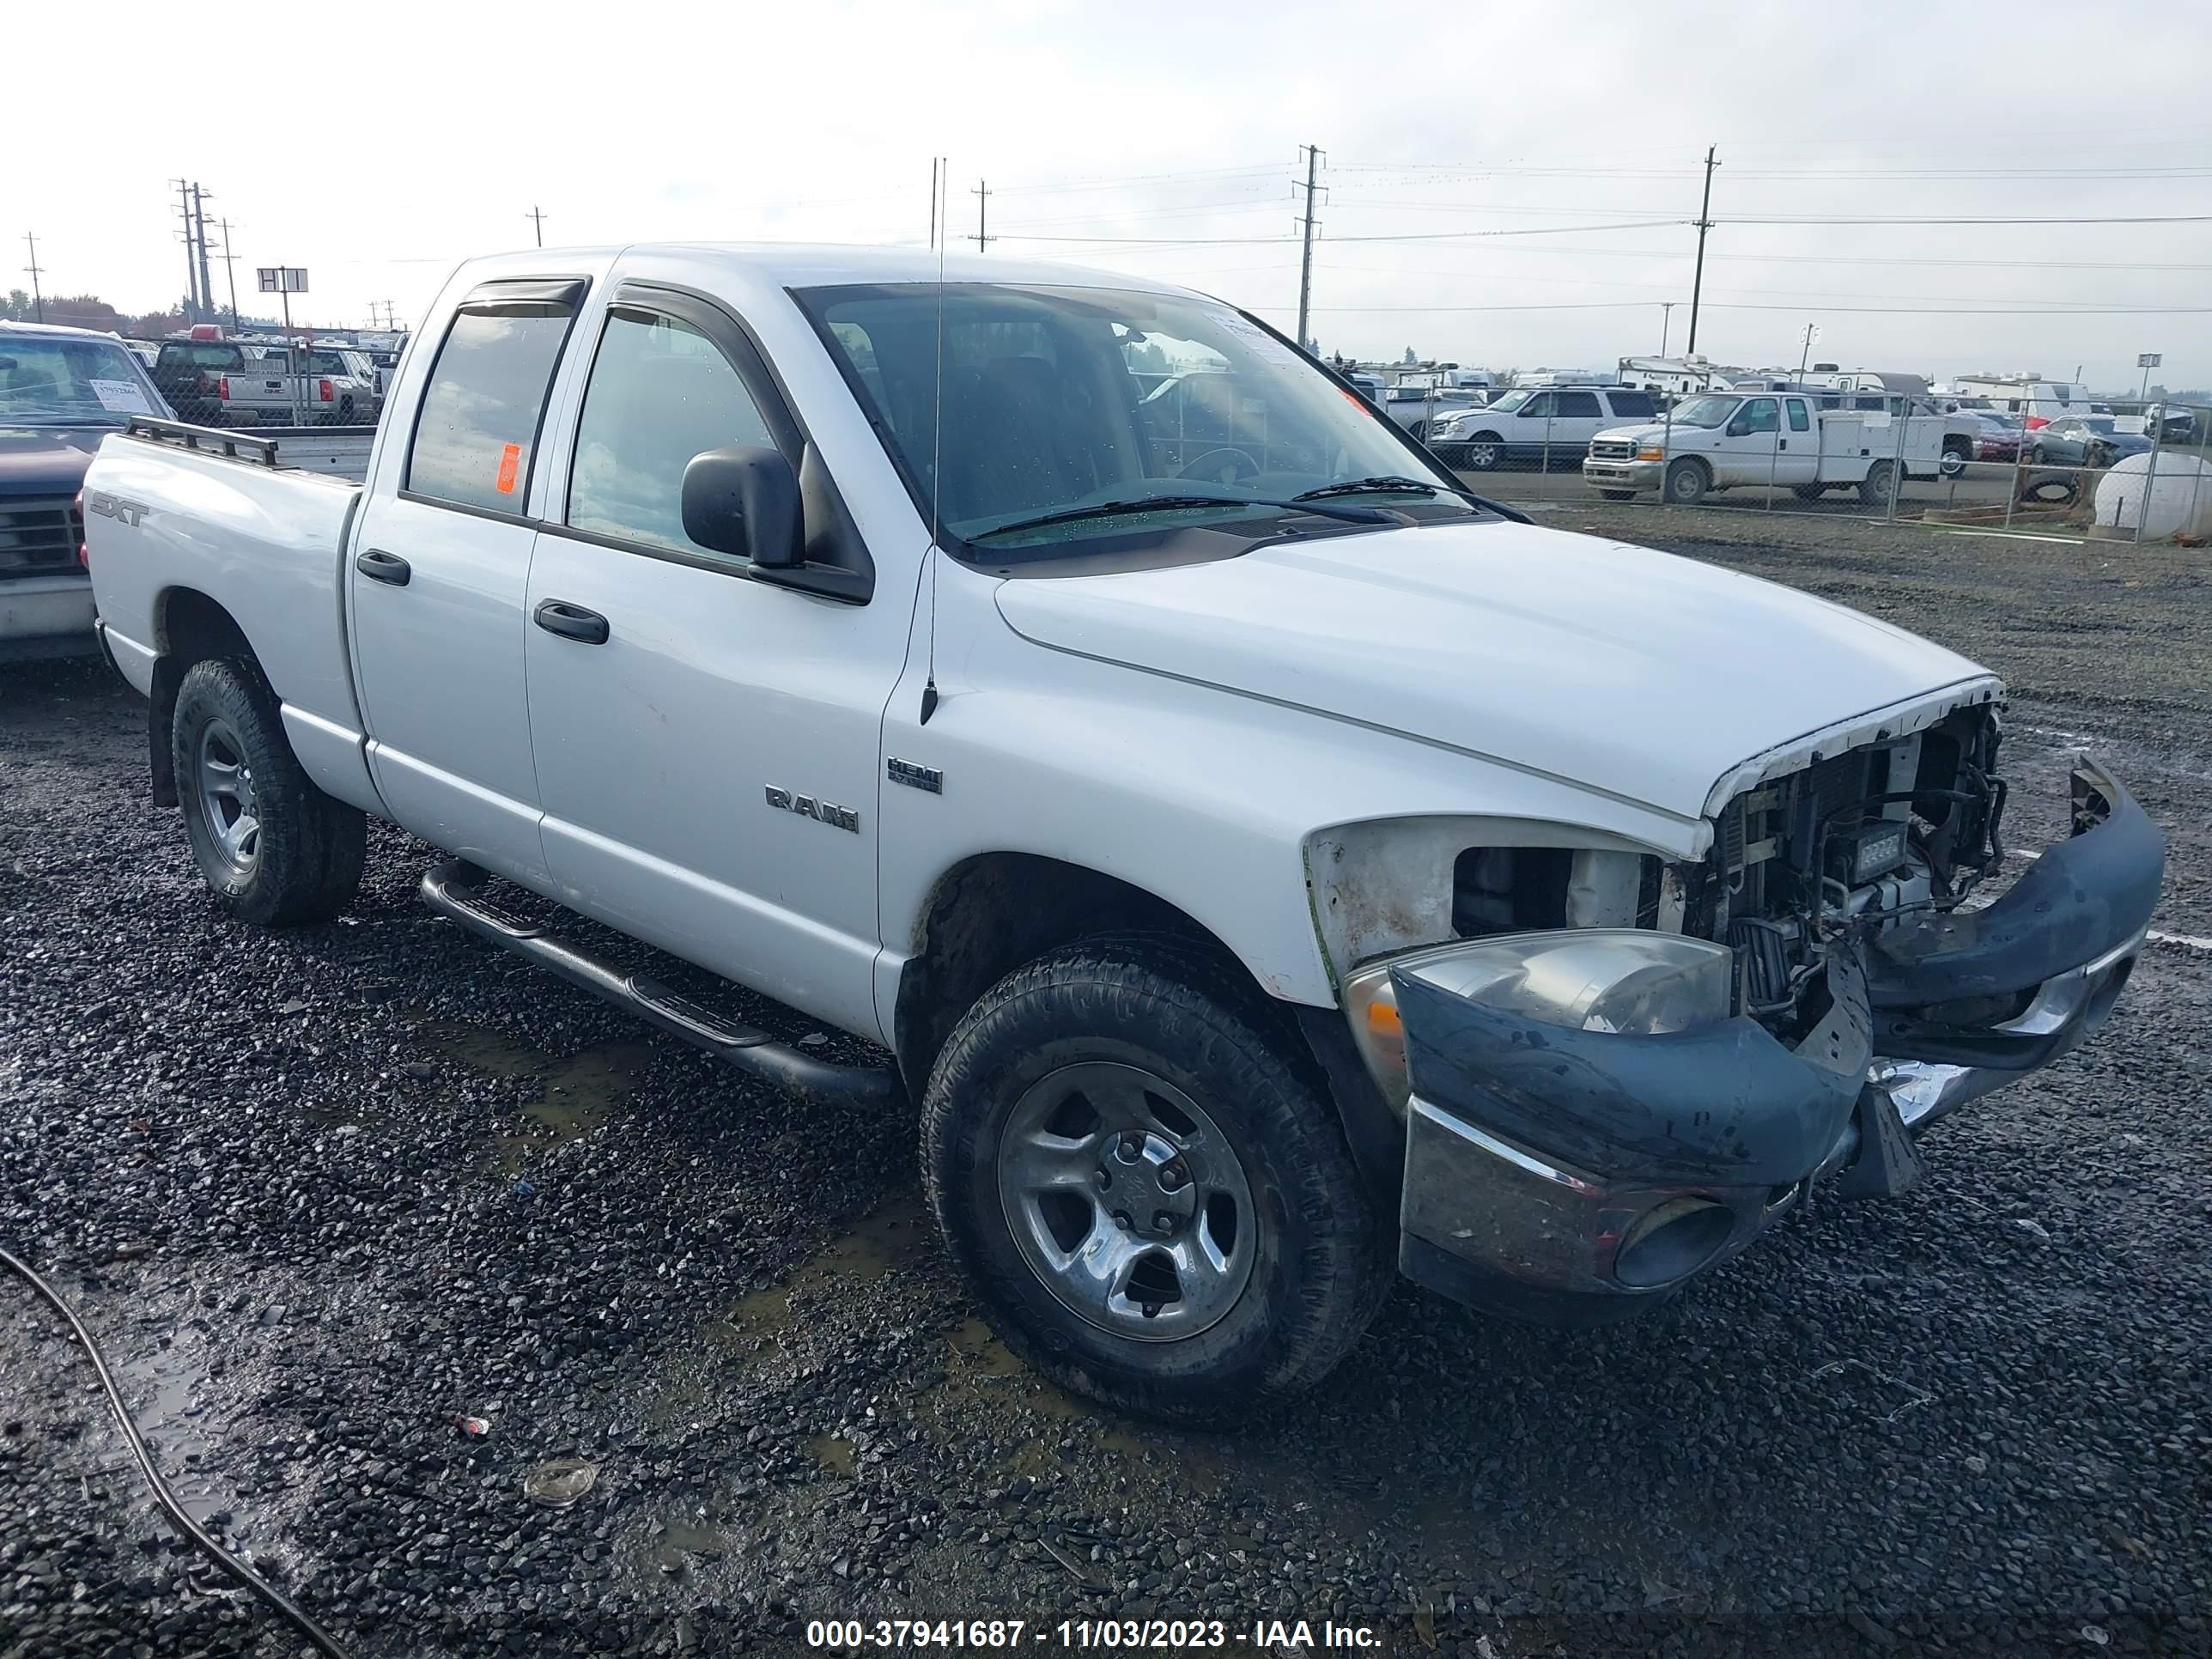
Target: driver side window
point(1538, 408)
point(1758, 415)
point(660, 393)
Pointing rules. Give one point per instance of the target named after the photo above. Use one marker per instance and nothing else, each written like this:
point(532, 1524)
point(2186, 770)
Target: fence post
point(2197, 418)
point(1903, 419)
point(1552, 403)
point(2019, 463)
point(2150, 474)
point(1666, 447)
point(1774, 455)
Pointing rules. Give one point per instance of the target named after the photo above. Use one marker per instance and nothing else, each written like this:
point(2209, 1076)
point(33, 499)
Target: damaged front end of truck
point(1593, 1115)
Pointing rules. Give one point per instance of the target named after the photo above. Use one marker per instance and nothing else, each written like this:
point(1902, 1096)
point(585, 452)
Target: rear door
point(708, 743)
point(441, 567)
point(1581, 417)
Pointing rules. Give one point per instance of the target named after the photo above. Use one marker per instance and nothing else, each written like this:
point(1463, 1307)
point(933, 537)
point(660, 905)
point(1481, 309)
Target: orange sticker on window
point(510, 463)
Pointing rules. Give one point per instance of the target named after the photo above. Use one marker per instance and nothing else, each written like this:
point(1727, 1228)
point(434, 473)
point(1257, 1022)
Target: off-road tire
point(307, 865)
point(1322, 1263)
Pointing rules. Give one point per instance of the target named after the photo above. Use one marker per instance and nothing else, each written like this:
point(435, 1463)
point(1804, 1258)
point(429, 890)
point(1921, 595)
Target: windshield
point(1705, 411)
point(2102, 423)
point(1511, 401)
point(1060, 399)
point(60, 380)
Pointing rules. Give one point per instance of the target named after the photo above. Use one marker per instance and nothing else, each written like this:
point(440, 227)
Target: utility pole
point(199, 221)
point(1705, 224)
point(38, 301)
point(537, 220)
point(1305, 254)
point(229, 273)
point(1666, 321)
point(1811, 333)
point(191, 262)
point(933, 200)
point(982, 195)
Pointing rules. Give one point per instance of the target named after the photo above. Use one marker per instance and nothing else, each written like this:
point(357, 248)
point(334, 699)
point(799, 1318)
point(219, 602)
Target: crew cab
point(1537, 424)
point(1260, 865)
point(62, 390)
point(1801, 441)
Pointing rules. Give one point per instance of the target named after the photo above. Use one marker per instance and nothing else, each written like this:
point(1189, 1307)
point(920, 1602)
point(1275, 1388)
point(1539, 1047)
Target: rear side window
point(1799, 421)
point(476, 433)
point(1633, 405)
point(1583, 403)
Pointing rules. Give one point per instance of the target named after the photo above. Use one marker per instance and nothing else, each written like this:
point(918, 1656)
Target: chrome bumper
point(1622, 475)
point(46, 617)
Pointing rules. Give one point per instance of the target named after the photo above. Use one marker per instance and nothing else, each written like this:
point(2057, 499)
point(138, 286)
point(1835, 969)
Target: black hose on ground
point(193, 1533)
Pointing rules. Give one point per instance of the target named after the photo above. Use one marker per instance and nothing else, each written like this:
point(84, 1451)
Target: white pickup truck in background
point(302, 386)
point(1261, 861)
point(1805, 442)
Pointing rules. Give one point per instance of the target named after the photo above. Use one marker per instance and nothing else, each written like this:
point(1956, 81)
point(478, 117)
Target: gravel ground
point(323, 1193)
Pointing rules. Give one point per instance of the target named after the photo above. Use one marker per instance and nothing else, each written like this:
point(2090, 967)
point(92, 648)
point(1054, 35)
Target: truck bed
point(174, 510)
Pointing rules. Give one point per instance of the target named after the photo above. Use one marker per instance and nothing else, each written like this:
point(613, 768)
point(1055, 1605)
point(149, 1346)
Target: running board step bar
point(450, 889)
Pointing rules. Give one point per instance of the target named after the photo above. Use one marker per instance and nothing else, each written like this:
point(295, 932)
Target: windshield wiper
point(1175, 503)
point(1384, 485)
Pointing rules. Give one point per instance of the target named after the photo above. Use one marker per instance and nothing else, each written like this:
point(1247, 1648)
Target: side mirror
point(743, 500)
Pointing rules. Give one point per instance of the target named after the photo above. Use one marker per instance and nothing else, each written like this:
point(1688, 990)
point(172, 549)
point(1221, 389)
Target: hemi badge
point(915, 777)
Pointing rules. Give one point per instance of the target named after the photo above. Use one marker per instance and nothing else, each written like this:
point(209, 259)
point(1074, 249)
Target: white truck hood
point(1641, 674)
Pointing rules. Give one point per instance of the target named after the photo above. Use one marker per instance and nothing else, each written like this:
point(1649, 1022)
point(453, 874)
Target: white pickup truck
point(1805, 442)
point(1262, 866)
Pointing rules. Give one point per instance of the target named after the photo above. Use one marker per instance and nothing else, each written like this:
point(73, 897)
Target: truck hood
point(1636, 673)
point(1654, 431)
point(46, 460)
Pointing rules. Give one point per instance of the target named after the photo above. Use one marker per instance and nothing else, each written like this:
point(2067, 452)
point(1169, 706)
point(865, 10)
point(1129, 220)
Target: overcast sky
point(1455, 123)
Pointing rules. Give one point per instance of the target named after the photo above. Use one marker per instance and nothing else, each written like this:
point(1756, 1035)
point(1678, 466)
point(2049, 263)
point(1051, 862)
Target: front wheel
point(275, 849)
point(1485, 453)
point(1954, 460)
point(1140, 1173)
point(1688, 482)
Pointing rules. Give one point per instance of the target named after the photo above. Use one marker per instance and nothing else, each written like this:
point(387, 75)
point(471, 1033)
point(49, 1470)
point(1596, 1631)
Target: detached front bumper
point(1572, 1176)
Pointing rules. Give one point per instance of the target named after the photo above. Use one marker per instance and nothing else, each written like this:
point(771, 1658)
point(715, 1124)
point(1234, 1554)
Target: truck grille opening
point(39, 537)
point(1610, 449)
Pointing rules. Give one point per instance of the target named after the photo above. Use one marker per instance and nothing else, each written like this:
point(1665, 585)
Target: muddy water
point(579, 1094)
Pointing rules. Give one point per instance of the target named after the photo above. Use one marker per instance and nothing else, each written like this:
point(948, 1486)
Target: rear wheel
point(1141, 1175)
point(275, 849)
point(1956, 454)
point(1879, 484)
point(1688, 482)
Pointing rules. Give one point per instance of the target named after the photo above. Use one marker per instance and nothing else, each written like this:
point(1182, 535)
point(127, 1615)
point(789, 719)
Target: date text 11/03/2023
point(1086, 1635)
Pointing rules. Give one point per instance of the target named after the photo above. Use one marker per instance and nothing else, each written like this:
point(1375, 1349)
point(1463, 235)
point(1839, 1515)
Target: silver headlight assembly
point(1620, 980)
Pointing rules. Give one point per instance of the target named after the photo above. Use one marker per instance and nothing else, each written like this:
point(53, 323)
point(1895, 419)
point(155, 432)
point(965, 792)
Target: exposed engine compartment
point(1854, 844)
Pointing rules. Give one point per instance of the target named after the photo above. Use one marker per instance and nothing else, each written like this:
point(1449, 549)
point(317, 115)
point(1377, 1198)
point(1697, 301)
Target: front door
point(1746, 453)
point(708, 743)
point(440, 567)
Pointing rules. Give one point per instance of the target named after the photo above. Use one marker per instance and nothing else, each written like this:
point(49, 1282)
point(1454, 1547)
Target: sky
point(1503, 186)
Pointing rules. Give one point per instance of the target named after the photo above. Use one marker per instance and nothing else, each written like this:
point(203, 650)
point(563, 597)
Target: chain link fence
point(2123, 469)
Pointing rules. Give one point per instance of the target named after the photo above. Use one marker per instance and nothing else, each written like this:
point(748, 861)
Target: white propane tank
point(2180, 497)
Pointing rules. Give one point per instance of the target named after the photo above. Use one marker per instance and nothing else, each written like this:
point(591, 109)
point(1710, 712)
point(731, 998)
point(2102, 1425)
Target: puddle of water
point(580, 1093)
point(884, 1241)
point(682, 1542)
point(166, 1390)
point(833, 1452)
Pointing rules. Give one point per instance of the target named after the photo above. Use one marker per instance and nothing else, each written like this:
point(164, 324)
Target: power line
point(1415, 236)
point(1897, 311)
point(1876, 219)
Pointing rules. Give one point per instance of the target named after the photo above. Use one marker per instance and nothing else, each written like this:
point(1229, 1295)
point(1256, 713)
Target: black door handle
point(1783, 443)
point(571, 622)
point(381, 567)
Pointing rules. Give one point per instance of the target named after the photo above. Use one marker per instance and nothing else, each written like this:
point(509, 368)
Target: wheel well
point(189, 627)
point(1697, 461)
point(990, 914)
